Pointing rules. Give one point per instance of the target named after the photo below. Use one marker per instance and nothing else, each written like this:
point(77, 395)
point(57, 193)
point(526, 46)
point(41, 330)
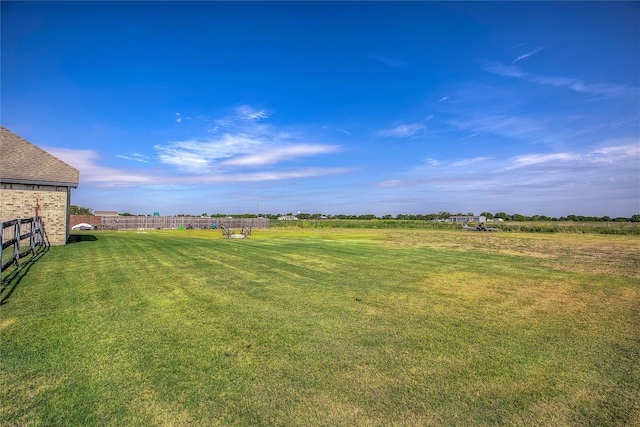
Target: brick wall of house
point(26, 201)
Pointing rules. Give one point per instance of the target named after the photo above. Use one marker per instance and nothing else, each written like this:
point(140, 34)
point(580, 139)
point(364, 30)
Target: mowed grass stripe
point(315, 328)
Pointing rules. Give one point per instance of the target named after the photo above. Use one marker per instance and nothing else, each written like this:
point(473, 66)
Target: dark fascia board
point(28, 182)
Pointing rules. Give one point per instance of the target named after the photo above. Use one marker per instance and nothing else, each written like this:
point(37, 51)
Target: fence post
point(32, 236)
point(1, 246)
point(16, 244)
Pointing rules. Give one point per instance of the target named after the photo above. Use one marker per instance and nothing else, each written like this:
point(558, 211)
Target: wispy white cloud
point(239, 139)
point(87, 162)
point(92, 173)
point(278, 154)
point(261, 176)
point(620, 149)
point(467, 162)
point(178, 118)
point(526, 55)
point(247, 112)
point(607, 154)
point(135, 157)
point(432, 162)
point(200, 156)
point(611, 90)
point(549, 183)
point(244, 119)
point(402, 131)
point(503, 125)
point(444, 98)
point(473, 135)
point(534, 159)
point(342, 131)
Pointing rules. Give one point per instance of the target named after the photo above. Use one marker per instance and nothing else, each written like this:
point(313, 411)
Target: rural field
point(335, 327)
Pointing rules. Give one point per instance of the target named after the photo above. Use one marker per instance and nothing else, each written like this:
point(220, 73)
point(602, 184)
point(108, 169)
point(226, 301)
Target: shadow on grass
point(79, 238)
point(13, 279)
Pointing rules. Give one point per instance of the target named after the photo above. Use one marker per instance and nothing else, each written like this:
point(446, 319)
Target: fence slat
point(36, 235)
point(168, 222)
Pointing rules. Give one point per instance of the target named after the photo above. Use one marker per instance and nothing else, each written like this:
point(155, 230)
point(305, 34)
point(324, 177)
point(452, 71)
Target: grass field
point(324, 327)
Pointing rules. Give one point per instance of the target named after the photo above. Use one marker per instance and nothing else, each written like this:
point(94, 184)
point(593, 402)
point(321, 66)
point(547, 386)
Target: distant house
point(35, 183)
point(467, 218)
point(288, 218)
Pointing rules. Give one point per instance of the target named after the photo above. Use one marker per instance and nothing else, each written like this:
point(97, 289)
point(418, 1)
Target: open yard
point(323, 327)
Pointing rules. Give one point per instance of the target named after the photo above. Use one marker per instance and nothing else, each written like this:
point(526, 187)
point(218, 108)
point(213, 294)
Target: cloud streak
point(526, 55)
point(610, 90)
point(402, 131)
point(503, 125)
point(135, 157)
point(605, 155)
point(278, 154)
point(467, 162)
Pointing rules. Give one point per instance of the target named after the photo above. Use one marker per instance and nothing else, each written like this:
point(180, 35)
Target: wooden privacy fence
point(13, 232)
point(167, 222)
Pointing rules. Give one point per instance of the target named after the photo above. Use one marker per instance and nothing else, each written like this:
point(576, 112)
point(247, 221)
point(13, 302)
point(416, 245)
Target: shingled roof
point(22, 162)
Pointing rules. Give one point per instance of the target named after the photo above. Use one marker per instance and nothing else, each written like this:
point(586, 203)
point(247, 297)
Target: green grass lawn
point(323, 327)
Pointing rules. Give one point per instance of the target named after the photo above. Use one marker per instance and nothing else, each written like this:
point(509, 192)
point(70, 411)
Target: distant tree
point(343, 216)
point(487, 215)
point(635, 218)
point(502, 215)
point(444, 215)
point(367, 216)
point(126, 214)
point(79, 210)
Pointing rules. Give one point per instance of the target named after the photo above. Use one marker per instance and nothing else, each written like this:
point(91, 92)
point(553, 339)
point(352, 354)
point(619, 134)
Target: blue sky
point(333, 107)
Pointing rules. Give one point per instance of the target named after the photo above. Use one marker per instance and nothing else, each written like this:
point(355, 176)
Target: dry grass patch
point(585, 253)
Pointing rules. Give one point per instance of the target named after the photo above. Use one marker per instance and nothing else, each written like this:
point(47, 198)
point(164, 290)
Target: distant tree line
point(442, 215)
point(79, 210)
